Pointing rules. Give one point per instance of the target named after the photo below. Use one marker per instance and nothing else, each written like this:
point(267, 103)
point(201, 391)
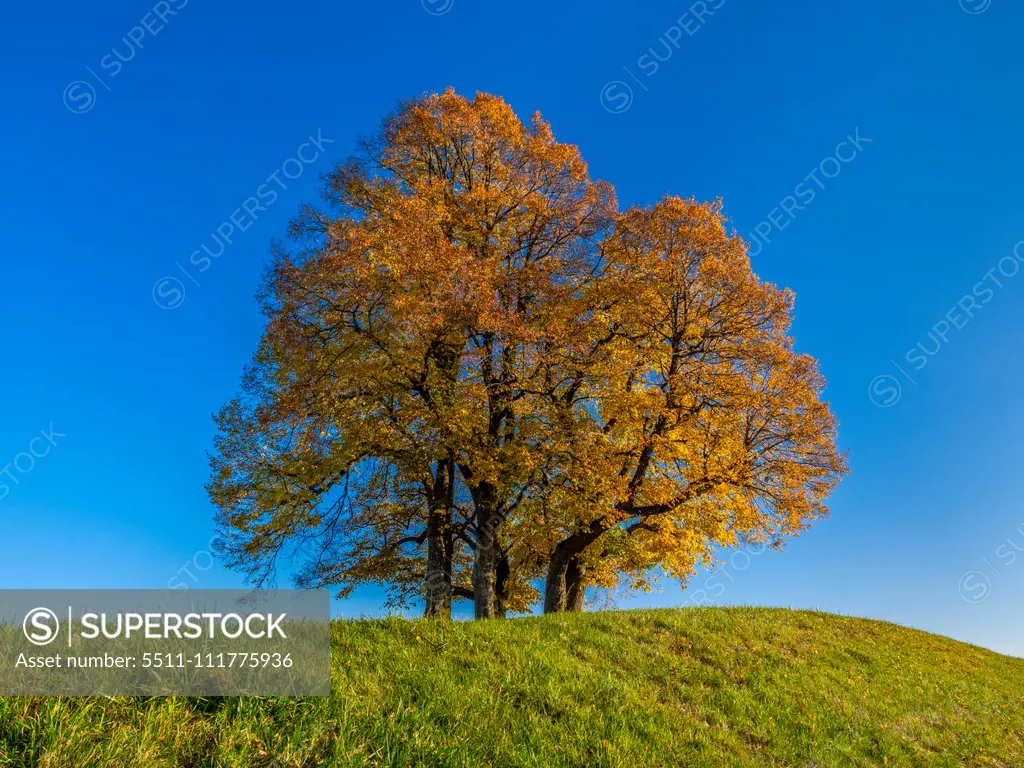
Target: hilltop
point(698, 686)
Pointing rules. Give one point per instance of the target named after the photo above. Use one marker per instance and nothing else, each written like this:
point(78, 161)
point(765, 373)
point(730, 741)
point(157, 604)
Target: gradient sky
point(118, 171)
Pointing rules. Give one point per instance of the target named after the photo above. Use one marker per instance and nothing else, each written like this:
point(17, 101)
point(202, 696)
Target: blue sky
point(875, 147)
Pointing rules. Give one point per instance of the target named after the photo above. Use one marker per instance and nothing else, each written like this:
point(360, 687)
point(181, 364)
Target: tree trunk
point(484, 576)
point(448, 538)
point(574, 590)
point(438, 582)
point(486, 556)
point(440, 534)
point(554, 585)
point(438, 586)
point(564, 571)
point(502, 573)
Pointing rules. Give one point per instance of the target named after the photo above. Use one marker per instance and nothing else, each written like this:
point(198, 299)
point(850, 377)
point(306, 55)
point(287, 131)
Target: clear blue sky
point(117, 171)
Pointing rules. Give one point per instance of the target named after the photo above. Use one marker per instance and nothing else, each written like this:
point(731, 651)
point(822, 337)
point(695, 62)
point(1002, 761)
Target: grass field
point(691, 687)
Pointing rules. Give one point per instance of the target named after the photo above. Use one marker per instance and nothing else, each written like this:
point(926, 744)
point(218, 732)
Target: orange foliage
point(477, 372)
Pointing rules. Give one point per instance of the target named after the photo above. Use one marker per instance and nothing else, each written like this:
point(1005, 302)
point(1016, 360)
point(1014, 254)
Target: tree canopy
point(480, 379)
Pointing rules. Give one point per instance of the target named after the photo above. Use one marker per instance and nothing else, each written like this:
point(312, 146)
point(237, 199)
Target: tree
point(410, 325)
point(477, 374)
point(707, 427)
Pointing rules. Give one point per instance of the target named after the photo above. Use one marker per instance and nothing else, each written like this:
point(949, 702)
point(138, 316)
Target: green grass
point(692, 687)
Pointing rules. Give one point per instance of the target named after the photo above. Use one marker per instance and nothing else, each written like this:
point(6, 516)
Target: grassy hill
point(700, 687)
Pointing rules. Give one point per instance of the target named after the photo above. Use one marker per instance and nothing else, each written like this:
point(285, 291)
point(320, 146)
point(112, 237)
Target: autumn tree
point(410, 326)
point(477, 376)
point(703, 426)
